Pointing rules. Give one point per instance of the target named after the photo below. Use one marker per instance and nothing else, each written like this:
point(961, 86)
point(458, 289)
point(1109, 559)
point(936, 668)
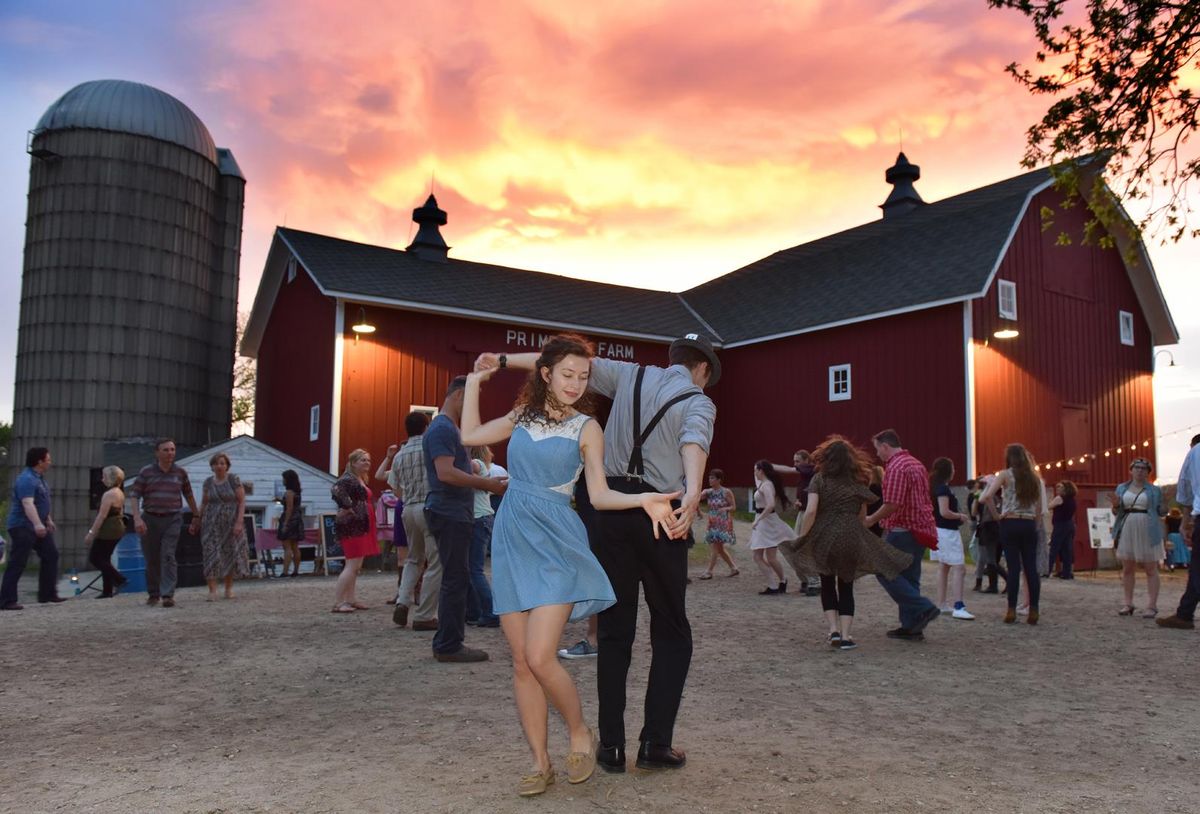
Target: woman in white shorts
point(949, 552)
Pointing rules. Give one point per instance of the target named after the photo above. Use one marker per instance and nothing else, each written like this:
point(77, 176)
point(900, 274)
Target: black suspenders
point(636, 467)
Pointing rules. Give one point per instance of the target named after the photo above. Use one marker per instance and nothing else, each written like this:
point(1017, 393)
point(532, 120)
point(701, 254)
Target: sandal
point(344, 607)
point(359, 606)
point(1126, 610)
point(1149, 613)
point(706, 575)
point(734, 572)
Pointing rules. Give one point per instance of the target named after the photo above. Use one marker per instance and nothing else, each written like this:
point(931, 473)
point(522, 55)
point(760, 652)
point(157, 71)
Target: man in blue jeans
point(479, 596)
point(31, 528)
point(1187, 491)
point(449, 516)
point(907, 514)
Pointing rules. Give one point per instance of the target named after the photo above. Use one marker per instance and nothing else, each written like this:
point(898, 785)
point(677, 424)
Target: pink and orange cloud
point(657, 144)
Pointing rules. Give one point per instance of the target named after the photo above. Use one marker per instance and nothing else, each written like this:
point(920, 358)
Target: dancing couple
point(543, 572)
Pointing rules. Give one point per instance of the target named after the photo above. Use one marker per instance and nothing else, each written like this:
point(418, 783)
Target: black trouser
point(453, 544)
point(837, 595)
point(101, 557)
point(23, 540)
point(1019, 539)
point(1062, 544)
point(630, 555)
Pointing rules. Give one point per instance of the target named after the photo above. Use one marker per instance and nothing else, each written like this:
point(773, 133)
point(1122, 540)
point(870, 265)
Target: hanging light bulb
point(362, 326)
point(1107, 453)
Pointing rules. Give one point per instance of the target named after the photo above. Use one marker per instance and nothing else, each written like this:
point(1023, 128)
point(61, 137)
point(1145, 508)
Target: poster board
point(251, 538)
point(1100, 528)
point(331, 547)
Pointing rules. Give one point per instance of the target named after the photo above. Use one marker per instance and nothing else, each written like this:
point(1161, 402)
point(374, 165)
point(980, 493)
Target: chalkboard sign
point(331, 547)
point(252, 549)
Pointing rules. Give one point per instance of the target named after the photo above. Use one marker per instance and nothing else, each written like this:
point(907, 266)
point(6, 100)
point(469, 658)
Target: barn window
point(421, 408)
point(1126, 327)
point(1006, 291)
point(314, 422)
point(291, 269)
point(839, 383)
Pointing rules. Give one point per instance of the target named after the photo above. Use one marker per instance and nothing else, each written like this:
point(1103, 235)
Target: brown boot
point(1032, 618)
point(1010, 616)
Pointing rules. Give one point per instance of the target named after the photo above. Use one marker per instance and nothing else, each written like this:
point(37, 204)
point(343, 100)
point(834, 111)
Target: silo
point(129, 293)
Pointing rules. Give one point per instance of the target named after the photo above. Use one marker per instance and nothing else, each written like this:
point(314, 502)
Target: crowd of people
point(589, 517)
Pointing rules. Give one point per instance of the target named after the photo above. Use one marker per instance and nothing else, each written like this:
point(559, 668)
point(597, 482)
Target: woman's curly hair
point(838, 458)
point(531, 402)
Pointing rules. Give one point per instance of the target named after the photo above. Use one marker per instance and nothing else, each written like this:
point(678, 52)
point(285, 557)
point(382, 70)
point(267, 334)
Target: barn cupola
point(903, 198)
point(429, 244)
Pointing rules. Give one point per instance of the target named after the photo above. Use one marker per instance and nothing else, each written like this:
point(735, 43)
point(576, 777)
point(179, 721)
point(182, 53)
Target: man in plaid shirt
point(407, 478)
point(907, 515)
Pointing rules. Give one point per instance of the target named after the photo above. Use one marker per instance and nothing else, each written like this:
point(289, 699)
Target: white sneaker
point(962, 613)
point(1022, 610)
point(946, 609)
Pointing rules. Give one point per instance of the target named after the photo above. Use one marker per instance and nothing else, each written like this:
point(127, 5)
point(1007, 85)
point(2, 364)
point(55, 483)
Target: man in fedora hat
point(657, 440)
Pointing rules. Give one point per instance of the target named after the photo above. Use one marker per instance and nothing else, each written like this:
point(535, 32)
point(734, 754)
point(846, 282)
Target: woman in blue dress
point(543, 572)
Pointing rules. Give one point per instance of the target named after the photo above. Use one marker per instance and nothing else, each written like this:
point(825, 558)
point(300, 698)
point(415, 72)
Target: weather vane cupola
point(429, 244)
point(903, 198)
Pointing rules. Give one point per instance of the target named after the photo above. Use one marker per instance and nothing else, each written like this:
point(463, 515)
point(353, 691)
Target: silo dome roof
point(129, 107)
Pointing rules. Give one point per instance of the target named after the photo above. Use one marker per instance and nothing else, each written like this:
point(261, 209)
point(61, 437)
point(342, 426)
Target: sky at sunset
point(657, 143)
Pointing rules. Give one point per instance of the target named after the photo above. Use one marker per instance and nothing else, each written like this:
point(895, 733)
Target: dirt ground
point(269, 703)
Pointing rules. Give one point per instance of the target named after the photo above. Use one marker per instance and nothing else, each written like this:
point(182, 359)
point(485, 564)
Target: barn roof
point(373, 273)
point(942, 252)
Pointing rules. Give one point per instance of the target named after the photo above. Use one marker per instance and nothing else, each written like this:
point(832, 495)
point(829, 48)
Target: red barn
point(891, 324)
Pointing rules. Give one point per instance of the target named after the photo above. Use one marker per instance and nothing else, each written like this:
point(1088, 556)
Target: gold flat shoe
point(581, 765)
point(532, 785)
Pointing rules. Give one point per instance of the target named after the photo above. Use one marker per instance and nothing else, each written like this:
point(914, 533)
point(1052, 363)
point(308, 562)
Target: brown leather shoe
point(464, 655)
point(168, 602)
point(1174, 621)
point(400, 615)
point(425, 624)
point(581, 765)
point(152, 600)
point(534, 784)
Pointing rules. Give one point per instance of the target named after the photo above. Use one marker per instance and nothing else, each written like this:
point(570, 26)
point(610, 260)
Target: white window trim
point(833, 371)
point(1003, 286)
point(432, 412)
point(291, 269)
point(314, 422)
point(1125, 327)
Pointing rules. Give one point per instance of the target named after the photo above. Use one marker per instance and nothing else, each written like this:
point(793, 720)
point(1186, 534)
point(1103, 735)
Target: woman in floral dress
point(222, 535)
point(720, 523)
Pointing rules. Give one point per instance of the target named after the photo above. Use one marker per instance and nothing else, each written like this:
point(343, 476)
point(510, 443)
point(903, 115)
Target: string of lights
point(1120, 449)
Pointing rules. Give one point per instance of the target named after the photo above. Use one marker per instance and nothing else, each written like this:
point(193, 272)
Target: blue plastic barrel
point(131, 563)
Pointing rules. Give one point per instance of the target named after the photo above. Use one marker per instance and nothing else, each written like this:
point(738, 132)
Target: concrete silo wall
point(128, 305)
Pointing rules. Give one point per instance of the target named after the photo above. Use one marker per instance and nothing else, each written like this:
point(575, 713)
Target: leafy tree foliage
point(1119, 77)
point(245, 379)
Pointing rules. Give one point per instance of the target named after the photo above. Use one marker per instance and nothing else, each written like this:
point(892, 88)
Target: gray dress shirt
point(689, 422)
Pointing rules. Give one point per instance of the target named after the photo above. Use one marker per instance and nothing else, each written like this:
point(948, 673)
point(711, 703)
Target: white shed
point(261, 468)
